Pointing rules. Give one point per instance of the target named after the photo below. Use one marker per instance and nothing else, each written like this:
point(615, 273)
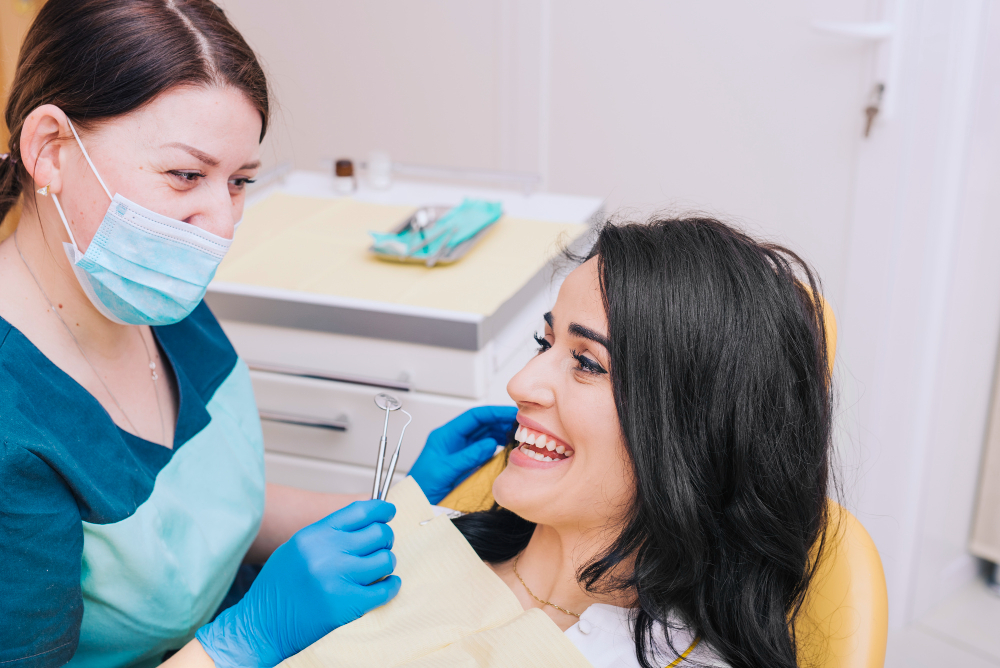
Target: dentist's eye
point(186, 176)
point(588, 365)
point(543, 345)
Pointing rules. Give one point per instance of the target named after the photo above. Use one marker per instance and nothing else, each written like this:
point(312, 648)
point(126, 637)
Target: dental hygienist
point(131, 458)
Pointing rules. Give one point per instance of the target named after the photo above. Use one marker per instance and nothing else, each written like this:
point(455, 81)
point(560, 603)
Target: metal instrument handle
point(395, 458)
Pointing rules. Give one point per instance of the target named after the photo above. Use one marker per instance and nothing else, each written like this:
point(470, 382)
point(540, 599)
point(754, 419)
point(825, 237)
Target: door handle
point(339, 423)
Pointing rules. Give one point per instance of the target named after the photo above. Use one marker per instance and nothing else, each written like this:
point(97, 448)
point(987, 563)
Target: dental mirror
point(387, 402)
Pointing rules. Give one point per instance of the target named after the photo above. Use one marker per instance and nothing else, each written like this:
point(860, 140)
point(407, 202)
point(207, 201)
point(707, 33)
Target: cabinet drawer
point(351, 406)
point(419, 367)
point(320, 476)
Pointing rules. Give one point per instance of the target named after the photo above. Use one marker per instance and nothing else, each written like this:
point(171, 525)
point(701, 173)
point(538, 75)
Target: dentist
point(131, 457)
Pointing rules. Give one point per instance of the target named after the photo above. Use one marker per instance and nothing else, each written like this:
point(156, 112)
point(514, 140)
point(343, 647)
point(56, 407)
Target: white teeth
point(527, 438)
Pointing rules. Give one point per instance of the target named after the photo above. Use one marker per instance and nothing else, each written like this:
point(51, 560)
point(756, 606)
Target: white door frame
point(921, 315)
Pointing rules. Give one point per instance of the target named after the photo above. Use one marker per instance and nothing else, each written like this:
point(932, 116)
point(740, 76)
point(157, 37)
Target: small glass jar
point(343, 177)
point(379, 170)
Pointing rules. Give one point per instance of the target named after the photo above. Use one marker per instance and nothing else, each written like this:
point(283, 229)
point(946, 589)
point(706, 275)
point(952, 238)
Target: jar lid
point(344, 168)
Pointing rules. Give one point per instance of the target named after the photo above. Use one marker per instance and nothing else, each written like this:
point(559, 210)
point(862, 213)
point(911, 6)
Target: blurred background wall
point(750, 111)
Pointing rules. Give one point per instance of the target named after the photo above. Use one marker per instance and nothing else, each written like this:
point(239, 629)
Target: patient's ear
point(42, 146)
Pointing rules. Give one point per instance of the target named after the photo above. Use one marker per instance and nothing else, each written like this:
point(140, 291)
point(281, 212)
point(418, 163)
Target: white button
point(584, 626)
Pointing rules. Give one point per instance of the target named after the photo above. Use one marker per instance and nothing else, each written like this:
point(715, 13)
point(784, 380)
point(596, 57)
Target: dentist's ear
point(42, 152)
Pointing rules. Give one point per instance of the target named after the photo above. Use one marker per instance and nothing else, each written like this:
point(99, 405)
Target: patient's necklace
point(543, 602)
point(152, 364)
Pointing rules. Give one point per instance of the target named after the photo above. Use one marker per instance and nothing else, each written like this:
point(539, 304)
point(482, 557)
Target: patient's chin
point(525, 497)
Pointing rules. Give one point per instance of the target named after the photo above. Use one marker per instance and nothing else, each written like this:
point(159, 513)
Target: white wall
point(737, 107)
point(742, 109)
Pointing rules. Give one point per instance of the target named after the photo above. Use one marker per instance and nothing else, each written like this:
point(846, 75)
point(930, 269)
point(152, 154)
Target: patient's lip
point(534, 426)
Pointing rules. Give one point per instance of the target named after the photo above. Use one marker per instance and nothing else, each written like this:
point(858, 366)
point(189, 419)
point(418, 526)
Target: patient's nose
point(532, 384)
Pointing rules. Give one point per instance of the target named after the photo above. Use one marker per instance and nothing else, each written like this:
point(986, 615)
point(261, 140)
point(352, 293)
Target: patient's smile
point(541, 447)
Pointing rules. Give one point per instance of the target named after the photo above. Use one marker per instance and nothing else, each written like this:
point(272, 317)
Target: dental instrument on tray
point(388, 403)
point(437, 234)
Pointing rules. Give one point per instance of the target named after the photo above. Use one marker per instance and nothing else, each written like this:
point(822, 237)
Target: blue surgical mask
point(143, 268)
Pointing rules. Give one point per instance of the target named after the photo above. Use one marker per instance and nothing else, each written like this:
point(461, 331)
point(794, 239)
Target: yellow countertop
point(320, 245)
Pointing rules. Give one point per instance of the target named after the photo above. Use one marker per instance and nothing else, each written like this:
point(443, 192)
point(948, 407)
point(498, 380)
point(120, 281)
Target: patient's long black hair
point(721, 381)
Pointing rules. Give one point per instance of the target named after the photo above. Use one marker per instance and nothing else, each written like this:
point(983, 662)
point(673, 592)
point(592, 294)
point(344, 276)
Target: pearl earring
point(44, 191)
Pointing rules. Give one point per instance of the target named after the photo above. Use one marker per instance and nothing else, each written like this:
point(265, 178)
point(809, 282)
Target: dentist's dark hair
point(721, 381)
point(97, 59)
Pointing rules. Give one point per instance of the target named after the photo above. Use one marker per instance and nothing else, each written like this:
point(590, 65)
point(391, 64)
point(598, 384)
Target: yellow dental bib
point(452, 609)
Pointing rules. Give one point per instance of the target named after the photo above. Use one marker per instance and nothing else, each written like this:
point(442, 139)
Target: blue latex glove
point(458, 448)
point(325, 576)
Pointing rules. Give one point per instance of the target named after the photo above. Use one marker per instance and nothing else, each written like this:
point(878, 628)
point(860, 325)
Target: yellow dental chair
point(844, 621)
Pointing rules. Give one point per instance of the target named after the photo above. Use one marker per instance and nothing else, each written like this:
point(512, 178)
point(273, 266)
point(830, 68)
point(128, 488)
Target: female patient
point(665, 492)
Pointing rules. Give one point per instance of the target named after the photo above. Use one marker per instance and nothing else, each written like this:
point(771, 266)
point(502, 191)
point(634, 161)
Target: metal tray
point(454, 254)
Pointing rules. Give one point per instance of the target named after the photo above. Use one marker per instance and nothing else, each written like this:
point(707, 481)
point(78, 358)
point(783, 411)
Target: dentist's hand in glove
point(460, 447)
point(325, 576)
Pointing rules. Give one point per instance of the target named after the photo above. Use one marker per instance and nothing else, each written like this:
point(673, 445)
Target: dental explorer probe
point(395, 457)
point(388, 403)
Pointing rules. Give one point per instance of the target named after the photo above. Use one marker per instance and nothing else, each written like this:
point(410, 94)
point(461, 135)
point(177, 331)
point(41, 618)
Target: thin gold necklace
point(152, 363)
point(675, 662)
point(542, 601)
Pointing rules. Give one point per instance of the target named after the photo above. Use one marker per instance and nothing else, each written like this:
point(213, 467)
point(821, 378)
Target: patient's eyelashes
point(588, 365)
point(584, 363)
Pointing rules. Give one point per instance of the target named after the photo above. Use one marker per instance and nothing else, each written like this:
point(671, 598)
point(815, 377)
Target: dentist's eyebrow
point(205, 157)
point(199, 154)
point(581, 331)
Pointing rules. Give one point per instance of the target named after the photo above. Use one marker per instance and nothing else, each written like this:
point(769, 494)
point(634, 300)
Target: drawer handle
point(337, 424)
point(401, 385)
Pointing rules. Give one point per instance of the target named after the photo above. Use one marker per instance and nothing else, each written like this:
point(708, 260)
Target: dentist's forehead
point(216, 123)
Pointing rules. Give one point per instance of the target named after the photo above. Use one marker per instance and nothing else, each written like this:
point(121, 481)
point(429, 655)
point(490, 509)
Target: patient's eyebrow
point(577, 329)
point(587, 333)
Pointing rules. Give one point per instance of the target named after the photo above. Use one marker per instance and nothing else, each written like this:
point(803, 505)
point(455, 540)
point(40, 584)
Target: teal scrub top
point(113, 549)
